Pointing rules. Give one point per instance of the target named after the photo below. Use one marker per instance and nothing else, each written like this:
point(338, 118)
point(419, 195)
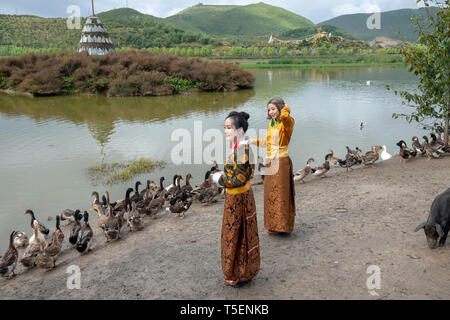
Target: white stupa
point(95, 37)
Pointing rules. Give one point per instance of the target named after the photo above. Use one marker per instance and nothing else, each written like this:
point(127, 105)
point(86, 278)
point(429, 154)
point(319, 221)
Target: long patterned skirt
point(279, 192)
point(240, 241)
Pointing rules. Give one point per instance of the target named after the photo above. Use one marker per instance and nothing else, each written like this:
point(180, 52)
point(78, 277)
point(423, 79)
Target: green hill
point(254, 19)
point(127, 27)
point(391, 22)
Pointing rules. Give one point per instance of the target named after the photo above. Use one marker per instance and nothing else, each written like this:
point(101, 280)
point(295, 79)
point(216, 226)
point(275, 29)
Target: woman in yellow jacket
point(279, 205)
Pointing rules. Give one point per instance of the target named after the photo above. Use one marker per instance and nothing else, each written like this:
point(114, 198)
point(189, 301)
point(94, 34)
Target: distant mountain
point(254, 19)
point(391, 22)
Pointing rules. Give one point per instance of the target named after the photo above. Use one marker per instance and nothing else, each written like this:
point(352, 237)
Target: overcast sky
point(316, 11)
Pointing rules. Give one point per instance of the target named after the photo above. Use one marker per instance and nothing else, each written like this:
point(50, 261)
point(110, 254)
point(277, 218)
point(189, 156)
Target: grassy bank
point(331, 61)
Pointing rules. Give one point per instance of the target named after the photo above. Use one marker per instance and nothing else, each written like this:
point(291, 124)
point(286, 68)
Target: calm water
point(47, 144)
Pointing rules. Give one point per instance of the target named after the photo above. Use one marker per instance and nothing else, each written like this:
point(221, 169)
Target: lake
point(47, 144)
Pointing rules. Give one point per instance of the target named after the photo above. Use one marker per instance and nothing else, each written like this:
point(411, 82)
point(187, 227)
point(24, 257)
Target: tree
point(332, 50)
point(430, 63)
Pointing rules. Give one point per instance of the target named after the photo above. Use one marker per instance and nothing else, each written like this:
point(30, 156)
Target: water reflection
point(101, 113)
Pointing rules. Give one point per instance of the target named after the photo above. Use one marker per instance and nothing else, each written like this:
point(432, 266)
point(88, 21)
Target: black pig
point(438, 223)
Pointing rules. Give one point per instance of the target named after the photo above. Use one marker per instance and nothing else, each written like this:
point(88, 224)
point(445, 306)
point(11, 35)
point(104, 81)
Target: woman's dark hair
point(278, 102)
point(240, 119)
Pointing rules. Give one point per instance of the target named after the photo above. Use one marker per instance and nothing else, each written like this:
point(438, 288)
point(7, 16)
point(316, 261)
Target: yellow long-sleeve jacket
point(278, 135)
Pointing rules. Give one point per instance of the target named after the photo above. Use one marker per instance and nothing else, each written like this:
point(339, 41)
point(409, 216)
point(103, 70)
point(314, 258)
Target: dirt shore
point(326, 257)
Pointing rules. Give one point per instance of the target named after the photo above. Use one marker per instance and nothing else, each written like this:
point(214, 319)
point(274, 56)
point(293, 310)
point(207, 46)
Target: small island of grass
point(115, 172)
point(132, 73)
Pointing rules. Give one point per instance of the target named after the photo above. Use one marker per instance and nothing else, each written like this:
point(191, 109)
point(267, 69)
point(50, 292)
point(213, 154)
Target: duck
point(205, 183)
point(8, 261)
point(43, 230)
point(430, 152)
point(135, 220)
point(321, 171)
point(136, 196)
point(301, 174)
point(142, 193)
point(111, 226)
point(215, 167)
point(124, 203)
point(418, 147)
point(103, 215)
point(174, 184)
point(187, 188)
point(438, 145)
point(179, 207)
point(405, 153)
point(172, 192)
point(47, 258)
point(161, 187)
point(156, 204)
point(85, 236)
point(73, 238)
point(153, 186)
point(371, 157)
point(384, 154)
point(206, 195)
point(20, 240)
point(35, 246)
point(69, 215)
point(183, 193)
point(118, 215)
point(97, 205)
point(351, 153)
point(349, 161)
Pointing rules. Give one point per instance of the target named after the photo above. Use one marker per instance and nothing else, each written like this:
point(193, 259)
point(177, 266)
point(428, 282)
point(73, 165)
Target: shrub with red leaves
point(131, 73)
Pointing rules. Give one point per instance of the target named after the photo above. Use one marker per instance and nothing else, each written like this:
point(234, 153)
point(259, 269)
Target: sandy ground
point(326, 257)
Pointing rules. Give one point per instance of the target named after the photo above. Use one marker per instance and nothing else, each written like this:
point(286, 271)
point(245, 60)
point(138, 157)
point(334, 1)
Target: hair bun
point(245, 115)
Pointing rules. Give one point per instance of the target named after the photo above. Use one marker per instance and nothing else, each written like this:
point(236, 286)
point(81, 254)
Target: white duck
point(385, 155)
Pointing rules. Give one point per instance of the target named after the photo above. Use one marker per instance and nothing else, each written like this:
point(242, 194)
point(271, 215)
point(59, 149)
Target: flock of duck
point(43, 250)
point(433, 149)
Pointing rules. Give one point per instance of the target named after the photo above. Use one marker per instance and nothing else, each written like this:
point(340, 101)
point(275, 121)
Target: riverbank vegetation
point(359, 60)
point(131, 73)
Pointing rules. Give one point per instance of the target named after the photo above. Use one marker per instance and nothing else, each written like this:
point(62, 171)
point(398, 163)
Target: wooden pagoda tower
point(94, 37)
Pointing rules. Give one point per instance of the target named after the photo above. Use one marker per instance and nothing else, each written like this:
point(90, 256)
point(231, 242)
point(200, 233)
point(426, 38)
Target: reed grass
point(116, 172)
